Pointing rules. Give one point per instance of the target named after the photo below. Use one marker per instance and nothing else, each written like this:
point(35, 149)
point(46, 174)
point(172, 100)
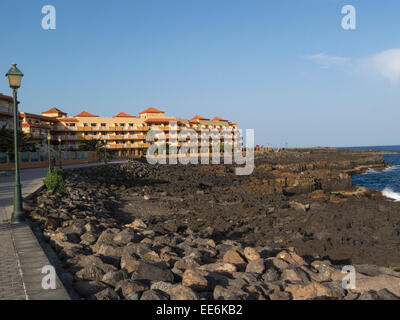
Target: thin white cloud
point(325, 61)
point(385, 64)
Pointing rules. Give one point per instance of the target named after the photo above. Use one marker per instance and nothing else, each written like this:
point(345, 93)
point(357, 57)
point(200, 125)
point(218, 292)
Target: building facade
point(6, 112)
point(123, 133)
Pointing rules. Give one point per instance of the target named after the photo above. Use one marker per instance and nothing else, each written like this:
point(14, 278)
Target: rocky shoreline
point(140, 232)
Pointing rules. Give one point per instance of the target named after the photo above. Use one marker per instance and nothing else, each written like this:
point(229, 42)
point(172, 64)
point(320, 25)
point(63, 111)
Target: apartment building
point(38, 127)
point(6, 111)
point(123, 133)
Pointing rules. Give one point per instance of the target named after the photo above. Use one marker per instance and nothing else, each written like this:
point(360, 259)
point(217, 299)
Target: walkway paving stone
point(11, 283)
point(21, 256)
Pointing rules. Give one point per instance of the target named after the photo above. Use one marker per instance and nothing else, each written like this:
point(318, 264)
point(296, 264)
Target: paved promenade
point(21, 256)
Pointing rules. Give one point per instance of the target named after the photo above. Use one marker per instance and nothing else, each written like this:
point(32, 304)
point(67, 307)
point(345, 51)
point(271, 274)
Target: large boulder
point(256, 266)
point(229, 293)
point(151, 272)
point(310, 291)
point(90, 273)
point(106, 237)
point(85, 289)
point(126, 287)
point(107, 294)
point(111, 278)
point(251, 254)
point(180, 292)
point(194, 280)
point(235, 257)
point(154, 295)
point(219, 267)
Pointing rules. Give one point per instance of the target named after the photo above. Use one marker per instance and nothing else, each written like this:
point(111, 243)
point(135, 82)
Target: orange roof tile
point(151, 110)
point(67, 120)
point(233, 123)
point(7, 98)
point(123, 115)
point(84, 114)
point(36, 116)
point(53, 110)
point(35, 125)
point(160, 120)
point(219, 119)
point(197, 117)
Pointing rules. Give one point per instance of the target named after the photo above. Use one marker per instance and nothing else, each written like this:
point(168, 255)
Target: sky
point(286, 68)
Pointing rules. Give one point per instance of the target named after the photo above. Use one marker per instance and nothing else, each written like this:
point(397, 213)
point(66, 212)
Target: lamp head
point(14, 76)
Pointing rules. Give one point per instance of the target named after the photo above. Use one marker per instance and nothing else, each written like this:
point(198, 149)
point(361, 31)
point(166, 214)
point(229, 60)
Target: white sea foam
point(369, 171)
point(396, 167)
point(389, 193)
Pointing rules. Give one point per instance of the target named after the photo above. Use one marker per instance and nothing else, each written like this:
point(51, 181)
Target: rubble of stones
point(106, 260)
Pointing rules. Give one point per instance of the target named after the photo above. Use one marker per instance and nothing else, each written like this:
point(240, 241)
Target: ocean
point(387, 181)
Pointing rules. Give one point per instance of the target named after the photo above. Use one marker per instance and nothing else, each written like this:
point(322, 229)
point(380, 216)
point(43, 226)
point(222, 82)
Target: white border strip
point(18, 262)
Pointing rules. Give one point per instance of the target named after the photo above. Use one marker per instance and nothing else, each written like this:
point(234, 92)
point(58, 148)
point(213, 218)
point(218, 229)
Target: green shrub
point(55, 180)
point(98, 172)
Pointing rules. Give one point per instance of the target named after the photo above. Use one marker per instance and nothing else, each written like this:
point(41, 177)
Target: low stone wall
point(41, 159)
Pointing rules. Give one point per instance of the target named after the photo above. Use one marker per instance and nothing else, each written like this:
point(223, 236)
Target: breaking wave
point(396, 167)
point(389, 193)
point(369, 171)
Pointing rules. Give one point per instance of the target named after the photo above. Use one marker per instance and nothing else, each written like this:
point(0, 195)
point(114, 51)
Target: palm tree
point(91, 145)
point(25, 142)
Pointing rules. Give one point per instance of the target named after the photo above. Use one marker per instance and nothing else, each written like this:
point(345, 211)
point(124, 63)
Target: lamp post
point(59, 151)
point(14, 76)
point(48, 148)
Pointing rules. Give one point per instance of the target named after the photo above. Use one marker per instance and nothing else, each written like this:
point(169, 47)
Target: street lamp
point(14, 76)
point(48, 148)
point(59, 151)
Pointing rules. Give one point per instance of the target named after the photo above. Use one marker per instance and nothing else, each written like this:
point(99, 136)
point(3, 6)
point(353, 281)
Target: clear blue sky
point(285, 68)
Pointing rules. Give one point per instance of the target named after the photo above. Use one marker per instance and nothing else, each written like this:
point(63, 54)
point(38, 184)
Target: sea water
point(388, 180)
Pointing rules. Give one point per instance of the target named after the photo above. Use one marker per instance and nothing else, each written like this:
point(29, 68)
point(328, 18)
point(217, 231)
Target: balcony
point(84, 129)
point(38, 135)
point(138, 136)
point(116, 128)
point(114, 146)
